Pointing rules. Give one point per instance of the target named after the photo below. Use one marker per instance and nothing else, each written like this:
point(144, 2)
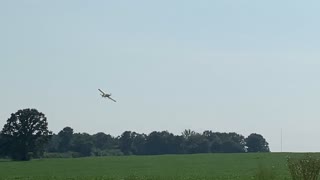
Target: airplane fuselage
point(105, 95)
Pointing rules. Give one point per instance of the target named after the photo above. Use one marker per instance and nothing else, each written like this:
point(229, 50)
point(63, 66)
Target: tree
point(82, 143)
point(125, 142)
point(196, 143)
point(230, 146)
point(239, 140)
point(103, 141)
point(160, 143)
point(215, 141)
point(53, 144)
point(2, 146)
point(256, 143)
point(65, 136)
point(138, 144)
point(188, 133)
point(26, 131)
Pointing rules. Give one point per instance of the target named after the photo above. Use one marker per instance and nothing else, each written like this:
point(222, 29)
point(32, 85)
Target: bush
point(306, 168)
point(61, 155)
point(108, 152)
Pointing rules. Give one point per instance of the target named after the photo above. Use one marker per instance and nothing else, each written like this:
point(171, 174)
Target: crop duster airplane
point(105, 95)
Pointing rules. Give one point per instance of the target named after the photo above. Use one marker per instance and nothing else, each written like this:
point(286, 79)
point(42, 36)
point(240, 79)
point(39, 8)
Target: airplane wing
point(101, 91)
point(112, 99)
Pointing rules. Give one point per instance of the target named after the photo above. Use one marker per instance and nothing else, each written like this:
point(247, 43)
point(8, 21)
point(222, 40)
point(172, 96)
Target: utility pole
point(281, 140)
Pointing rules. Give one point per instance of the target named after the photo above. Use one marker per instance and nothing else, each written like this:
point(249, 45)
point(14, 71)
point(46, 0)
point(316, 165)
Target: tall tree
point(26, 131)
point(196, 143)
point(125, 142)
point(160, 143)
point(82, 143)
point(188, 133)
point(138, 144)
point(53, 144)
point(65, 136)
point(103, 141)
point(257, 143)
point(2, 146)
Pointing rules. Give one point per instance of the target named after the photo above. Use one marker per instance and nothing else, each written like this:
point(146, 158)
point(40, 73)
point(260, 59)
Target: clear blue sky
point(228, 66)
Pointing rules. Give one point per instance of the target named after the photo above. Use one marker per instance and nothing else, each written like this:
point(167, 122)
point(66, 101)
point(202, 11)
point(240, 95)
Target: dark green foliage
point(229, 146)
point(138, 145)
point(25, 132)
point(82, 143)
point(103, 141)
point(155, 143)
point(256, 143)
point(125, 142)
point(65, 136)
point(107, 152)
point(215, 141)
point(2, 146)
point(195, 143)
point(232, 142)
point(161, 143)
point(53, 144)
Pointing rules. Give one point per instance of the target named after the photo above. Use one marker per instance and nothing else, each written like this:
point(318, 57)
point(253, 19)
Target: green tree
point(214, 140)
point(160, 143)
point(82, 143)
point(188, 133)
point(230, 146)
point(2, 146)
point(256, 143)
point(138, 144)
point(103, 141)
point(53, 144)
point(65, 136)
point(125, 142)
point(196, 143)
point(25, 132)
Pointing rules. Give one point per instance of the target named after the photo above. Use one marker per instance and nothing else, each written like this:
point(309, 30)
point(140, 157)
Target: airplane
point(105, 95)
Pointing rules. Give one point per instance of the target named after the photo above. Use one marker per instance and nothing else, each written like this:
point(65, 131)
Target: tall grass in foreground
point(306, 168)
point(264, 173)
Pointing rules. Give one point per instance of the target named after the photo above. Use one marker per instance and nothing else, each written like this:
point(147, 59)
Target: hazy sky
point(230, 66)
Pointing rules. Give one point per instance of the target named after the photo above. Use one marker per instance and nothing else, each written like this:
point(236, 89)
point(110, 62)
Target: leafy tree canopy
point(256, 143)
point(25, 132)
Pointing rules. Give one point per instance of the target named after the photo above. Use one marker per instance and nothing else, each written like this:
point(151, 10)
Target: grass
point(164, 167)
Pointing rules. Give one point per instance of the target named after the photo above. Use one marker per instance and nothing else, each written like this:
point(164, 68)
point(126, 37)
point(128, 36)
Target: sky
point(227, 66)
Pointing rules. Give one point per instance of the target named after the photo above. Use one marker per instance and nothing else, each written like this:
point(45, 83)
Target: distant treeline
point(68, 143)
point(25, 135)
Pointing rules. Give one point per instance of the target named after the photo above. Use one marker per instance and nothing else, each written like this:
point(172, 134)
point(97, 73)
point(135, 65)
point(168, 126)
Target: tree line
point(155, 143)
point(26, 135)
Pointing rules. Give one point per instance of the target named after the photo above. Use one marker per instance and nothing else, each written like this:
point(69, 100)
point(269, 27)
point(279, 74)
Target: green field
point(198, 166)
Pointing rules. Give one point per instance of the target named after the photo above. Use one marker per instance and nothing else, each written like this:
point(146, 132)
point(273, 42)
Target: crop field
point(174, 167)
